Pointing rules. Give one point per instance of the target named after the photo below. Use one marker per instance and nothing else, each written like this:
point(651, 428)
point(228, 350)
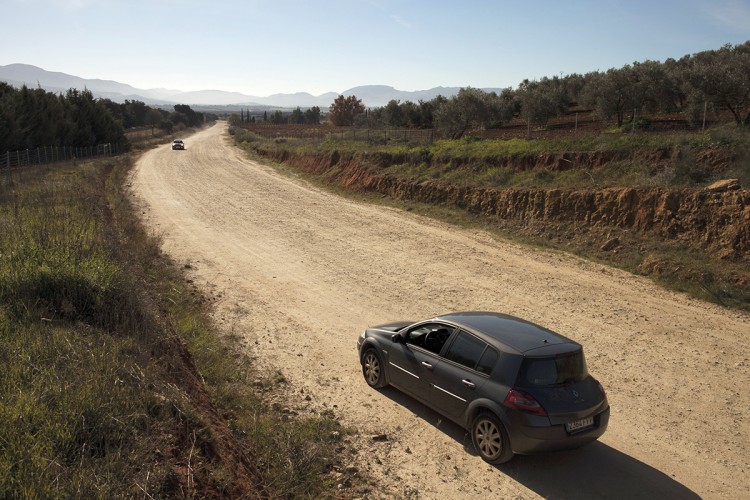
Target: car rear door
point(462, 371)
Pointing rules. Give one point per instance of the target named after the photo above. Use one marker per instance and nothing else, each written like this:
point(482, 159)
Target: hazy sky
point(261, 47)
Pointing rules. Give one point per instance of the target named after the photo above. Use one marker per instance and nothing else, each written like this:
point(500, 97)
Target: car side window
point(487, 361)
point(469, 351)
point(430, 336)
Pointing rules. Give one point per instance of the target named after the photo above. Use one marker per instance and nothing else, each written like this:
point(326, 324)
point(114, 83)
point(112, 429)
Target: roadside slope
point(300, 272)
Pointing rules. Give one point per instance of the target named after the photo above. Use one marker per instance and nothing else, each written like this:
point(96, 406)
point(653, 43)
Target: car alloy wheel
point(490, 439)
point(372, 368)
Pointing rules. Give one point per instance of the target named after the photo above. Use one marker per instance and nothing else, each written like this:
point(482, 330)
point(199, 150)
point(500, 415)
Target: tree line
point(32, 118)
point(310, 116)
point(693, 85)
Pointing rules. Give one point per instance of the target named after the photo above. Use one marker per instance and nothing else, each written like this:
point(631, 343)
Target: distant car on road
point(178, 144)
point(516, 386)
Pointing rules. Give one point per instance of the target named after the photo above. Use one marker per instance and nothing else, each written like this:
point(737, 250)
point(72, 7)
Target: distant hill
point(371, 95)
point(32, 76)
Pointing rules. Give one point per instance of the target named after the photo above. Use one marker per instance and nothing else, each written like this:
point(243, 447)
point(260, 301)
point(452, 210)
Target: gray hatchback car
point(516, 386)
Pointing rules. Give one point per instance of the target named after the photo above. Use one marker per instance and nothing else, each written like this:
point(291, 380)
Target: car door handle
point(468, 383)
point(427, 365)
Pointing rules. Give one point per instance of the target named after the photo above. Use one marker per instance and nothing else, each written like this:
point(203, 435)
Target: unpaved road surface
point(300, 272)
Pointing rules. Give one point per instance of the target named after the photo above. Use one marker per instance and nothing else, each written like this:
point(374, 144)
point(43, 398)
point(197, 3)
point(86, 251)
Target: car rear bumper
point(527, 439)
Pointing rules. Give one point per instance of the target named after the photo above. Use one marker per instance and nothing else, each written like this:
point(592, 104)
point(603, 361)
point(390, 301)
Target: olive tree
point(471, 109)
point(722, 77)
point(541, 100)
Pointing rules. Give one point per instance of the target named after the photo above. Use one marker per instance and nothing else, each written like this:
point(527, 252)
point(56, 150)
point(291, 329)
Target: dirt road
point(300, 272)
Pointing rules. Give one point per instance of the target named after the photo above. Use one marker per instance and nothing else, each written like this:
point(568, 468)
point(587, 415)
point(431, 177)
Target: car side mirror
point(398, 339)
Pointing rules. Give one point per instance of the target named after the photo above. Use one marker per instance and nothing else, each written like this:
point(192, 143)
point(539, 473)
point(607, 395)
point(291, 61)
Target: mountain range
point(371, 95)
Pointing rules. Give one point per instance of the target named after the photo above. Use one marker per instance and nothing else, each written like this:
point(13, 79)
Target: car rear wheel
point(490, 439)
point(372, 369)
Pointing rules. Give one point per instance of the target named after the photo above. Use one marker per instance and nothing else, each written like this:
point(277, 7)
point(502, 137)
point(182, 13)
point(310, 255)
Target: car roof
point(514, 333)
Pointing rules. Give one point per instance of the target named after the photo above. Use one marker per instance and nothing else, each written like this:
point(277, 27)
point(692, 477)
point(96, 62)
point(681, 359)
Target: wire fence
point(421, 136)
point(322, 132)
point(52, 154)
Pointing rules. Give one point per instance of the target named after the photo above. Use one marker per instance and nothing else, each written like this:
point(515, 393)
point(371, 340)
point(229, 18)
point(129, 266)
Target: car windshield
point(559, 370)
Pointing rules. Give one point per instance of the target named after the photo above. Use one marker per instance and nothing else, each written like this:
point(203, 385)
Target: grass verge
point(589, 161)
point(114, 381)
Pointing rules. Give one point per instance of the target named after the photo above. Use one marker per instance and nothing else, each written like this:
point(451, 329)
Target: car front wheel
point(372, 369)
point(490, 439)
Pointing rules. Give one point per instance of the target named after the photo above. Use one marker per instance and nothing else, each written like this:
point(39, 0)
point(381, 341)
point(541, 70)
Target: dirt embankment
point(715, 219)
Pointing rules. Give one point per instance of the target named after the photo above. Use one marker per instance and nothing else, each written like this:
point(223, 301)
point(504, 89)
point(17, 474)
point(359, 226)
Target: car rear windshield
point(558, 370)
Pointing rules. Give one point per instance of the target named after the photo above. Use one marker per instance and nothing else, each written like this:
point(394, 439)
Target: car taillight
point(525, 402)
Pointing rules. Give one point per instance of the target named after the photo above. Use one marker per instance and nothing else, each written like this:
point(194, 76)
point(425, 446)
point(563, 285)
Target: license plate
point(579, 424)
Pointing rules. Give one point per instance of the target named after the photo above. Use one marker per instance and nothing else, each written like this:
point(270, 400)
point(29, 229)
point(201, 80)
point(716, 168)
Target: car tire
point(373, 369)
point(490, 439)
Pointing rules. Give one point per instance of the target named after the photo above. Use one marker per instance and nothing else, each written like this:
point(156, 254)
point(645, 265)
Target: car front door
point(412, 360)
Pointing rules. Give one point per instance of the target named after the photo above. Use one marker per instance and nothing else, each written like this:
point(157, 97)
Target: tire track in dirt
point(301, 272)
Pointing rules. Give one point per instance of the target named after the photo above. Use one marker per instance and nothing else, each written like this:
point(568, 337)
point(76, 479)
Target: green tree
point(10, 135)
point(344, 110)
point(90, 122)
point(426, 112)
point(395, 115)
point(541, 100)
point(134, 113)
point(297, 116)
point(722, 77)
point(278, 118)
point(153, 118)
point(312, 115)
point(471, 109)
point(184, 114)
point(610, 93)
point(234, 120)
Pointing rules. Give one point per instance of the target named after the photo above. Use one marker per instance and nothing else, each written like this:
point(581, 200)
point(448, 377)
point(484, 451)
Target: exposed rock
point(724, 185)
point(715, 220)
point(610, 244)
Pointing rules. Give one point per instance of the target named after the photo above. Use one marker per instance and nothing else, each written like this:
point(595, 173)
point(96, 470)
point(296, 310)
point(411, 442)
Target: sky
point(263, 47)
